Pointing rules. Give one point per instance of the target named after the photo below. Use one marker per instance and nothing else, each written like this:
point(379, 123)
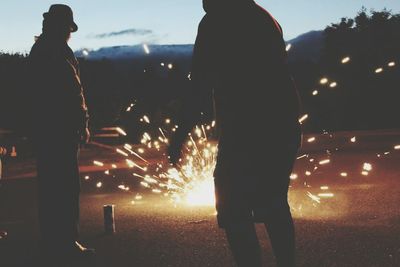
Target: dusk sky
point(128, 22)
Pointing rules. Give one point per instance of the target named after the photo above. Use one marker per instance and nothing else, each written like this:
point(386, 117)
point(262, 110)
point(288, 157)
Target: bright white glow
point(324, 81)
point(333, 85)
point(146, 48)
point(392, 64)
point(324, 162)
point(303, 118)
point(345, 60)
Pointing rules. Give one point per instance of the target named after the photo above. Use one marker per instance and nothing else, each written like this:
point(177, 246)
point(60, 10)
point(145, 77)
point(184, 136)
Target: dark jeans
point(58, 191)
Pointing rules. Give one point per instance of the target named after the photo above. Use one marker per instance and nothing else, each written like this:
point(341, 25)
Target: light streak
point(326, 195)
point(324, 162)
point(303, 118)
point(123, 153)
point(122, 132)
point(345, 60)
point(367, 167)
point(98, 163)
point(324, 81)
point(391, 64)
point(146, 49)
point(311, 139)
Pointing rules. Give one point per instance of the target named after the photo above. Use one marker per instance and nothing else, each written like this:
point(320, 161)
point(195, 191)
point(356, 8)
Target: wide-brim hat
point(63, 15)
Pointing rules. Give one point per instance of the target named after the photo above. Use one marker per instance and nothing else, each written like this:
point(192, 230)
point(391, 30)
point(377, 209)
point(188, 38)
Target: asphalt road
point(358, 225)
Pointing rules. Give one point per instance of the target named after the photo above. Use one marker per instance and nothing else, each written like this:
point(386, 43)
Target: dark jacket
point(240, 60)
point(58, 103)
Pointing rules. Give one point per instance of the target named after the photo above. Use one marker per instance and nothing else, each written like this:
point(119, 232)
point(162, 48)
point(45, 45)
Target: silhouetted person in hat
point(240, 59)
point(60, 125)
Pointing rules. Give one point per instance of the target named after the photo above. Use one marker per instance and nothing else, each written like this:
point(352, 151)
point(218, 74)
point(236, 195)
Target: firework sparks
point(120, 131)
point(146, 49)
point(333, 85)
point(324, 81)
point(98, 163)
point(303, 118)
point(345, 60)
point(324, 162)
point(311, 139)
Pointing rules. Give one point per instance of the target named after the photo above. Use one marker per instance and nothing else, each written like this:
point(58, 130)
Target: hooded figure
point(60, 124)
point(240, 61)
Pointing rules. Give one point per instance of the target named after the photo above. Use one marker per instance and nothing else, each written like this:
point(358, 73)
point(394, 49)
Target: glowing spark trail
point(146, 49)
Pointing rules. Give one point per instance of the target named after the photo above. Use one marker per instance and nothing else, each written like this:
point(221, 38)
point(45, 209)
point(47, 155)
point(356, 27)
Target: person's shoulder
point(39, 49)
point(209, 23)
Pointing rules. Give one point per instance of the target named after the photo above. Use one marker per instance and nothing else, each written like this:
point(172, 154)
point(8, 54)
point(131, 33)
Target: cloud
point(132, 31)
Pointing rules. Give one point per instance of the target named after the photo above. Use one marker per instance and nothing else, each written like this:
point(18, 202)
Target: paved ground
point(358, 226)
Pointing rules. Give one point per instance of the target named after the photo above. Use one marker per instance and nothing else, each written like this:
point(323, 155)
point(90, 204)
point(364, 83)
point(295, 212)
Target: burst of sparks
point(192, 181)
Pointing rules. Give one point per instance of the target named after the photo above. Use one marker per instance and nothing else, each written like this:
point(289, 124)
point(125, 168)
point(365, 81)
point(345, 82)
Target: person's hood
point(219, 5)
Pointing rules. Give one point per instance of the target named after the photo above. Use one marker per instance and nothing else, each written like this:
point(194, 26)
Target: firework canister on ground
point(109, 219)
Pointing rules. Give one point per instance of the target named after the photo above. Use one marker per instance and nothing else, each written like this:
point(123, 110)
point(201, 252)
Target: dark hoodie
point(240, 59)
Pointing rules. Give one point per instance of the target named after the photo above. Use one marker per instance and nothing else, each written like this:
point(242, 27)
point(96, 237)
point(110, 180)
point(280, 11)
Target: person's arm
point(199, 93)
point(70, 83)
point(57, 88)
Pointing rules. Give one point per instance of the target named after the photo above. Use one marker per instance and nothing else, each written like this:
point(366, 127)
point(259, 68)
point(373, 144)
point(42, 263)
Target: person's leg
point(243, 241)
point(280, 229)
